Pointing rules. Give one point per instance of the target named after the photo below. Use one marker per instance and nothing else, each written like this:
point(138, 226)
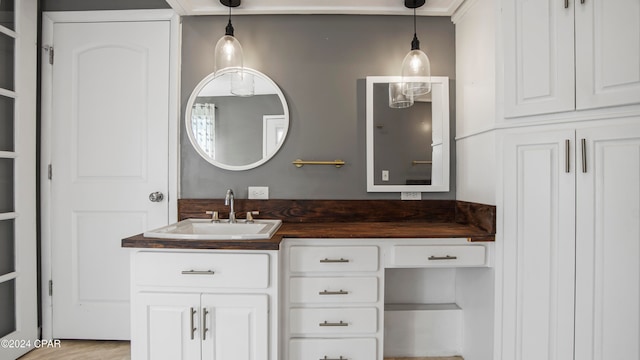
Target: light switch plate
point(411, 195)
point(385, 175)
point(259, 192)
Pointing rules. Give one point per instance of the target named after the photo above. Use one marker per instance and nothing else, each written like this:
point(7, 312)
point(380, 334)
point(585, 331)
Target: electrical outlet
point(412, 195)
point(259, 192)
point(385, 175)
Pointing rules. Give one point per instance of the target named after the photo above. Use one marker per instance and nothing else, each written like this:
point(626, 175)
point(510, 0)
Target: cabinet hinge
point(50, 287)
point(49, 49)
point(49, 172)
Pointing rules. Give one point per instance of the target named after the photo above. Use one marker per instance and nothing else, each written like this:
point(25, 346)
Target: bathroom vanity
point(356, 290)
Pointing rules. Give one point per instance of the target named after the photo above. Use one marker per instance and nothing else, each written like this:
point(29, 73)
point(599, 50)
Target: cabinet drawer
point(333, 289)
point(191, 269)
point(333, 321)
point(437, 255)
point(333, 349)
point(333, 258)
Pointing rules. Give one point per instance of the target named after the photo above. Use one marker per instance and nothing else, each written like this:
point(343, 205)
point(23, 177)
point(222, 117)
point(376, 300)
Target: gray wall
point(320, 62)
point(82, 5)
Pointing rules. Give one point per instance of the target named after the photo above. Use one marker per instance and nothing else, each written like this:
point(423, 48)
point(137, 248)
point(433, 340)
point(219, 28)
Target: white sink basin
point(204, 229)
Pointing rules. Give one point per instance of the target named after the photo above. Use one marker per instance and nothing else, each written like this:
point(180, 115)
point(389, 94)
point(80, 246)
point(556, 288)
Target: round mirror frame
point(189, 128)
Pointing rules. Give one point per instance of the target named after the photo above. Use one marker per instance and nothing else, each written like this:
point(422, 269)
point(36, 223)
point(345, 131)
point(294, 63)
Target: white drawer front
point(202, 270)
point(333, 258)
point(333, 289)
point(333, 321)
point(438, 255)
point(332, 349)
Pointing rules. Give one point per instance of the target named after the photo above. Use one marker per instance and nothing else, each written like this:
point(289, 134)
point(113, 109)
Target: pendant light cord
point(414, 22)
point(415, 43)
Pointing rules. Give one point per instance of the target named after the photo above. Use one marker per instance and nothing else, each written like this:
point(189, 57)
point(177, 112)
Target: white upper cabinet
point(564, 55)
point(607, 53)
point(539, 57)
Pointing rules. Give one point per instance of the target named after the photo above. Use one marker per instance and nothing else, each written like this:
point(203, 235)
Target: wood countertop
point(326, 230)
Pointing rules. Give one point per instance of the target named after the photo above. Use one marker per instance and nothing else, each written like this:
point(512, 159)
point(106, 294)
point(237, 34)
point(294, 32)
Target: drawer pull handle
point(328, 358)
point(326, 323)
point(330, 261)
point(339, 292)
point(198, 272)
point(446, 257)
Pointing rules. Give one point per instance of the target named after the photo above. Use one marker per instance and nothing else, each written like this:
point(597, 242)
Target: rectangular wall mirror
point(407, 147)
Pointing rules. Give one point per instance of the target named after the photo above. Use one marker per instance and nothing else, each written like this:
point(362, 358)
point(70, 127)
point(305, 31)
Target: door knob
point(156, 196)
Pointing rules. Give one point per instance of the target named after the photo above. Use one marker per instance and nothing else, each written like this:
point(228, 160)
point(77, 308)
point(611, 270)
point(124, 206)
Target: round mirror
point(233, 131)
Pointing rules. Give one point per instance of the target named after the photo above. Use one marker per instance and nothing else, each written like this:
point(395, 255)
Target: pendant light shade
point(242, 84)
point(416, 62)
point(228, 54)
point(397, 97)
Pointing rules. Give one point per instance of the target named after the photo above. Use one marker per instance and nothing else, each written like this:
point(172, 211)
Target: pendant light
point(229, 55)
point(228, 51)
point(416, 63)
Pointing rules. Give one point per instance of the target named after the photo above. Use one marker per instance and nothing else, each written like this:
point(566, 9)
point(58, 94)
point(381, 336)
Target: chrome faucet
point(228, 200)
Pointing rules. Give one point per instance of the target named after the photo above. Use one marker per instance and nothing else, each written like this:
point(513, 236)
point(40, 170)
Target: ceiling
point(363, 7)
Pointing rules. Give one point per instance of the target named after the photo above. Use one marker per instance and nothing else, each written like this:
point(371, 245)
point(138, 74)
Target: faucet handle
point(250, 216)
point(214, 216)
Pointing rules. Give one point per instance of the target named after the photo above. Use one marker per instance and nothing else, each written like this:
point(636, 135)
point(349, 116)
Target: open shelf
point(415, 330)
point(417, 307)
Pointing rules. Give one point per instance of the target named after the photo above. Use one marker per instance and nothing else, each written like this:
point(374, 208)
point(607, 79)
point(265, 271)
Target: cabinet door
point(538, 57)
point(162, 327)
point(538, 248)
point(235, 327)
point(608, 245)
point(607, 53)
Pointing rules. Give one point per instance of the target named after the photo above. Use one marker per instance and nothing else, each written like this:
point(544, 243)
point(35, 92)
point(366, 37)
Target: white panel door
point(607, 53)
point(608, 245)
point(168, 327)
point(235, 327)
point(538, 247)
point(109, 151)
point(538, 57)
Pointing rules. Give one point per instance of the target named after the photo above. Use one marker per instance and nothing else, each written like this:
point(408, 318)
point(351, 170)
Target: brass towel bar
point(300, 163)
point(421, 162)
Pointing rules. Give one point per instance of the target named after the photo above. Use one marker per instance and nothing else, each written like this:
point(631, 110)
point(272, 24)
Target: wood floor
point(119, 350)
point(83, 350)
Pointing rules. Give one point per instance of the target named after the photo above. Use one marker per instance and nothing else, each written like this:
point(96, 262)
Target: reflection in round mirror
point(237, 132)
